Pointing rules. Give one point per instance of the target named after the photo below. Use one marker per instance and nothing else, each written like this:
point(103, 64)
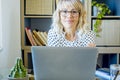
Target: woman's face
point(69, 17)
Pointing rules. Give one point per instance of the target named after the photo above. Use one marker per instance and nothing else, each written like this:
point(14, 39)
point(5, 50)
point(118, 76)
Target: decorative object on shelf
point(18, 72)
point(103, 73)
point(102, 9)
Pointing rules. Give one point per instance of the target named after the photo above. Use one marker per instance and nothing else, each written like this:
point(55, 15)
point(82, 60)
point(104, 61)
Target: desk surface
point(4, 72)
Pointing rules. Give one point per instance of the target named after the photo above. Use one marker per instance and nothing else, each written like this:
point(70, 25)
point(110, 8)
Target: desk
point(5, 72)
point(31, 77)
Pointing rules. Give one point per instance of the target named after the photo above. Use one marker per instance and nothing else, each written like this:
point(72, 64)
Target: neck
point(71, 36)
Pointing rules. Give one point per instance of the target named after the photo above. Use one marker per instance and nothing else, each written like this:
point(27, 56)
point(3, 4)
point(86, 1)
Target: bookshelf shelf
point(107, 17)
point(109, 42)
point(35, 15)
point(110, 25)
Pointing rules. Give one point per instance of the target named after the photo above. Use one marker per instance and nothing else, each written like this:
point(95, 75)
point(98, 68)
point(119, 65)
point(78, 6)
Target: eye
point(64, 11)
point(74, 11)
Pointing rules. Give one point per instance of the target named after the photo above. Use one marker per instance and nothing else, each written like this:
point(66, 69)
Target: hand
point(91, 45)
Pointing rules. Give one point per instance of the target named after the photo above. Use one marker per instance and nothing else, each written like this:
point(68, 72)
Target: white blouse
point(58, 40)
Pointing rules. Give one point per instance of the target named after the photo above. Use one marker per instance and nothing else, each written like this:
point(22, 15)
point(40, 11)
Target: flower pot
point(25, 78)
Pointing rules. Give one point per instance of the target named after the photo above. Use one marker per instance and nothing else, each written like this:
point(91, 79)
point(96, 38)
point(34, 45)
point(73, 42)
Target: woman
point(69, 27)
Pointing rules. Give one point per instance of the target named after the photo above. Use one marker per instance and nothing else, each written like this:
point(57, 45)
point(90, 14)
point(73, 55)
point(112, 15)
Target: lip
point(69, 21)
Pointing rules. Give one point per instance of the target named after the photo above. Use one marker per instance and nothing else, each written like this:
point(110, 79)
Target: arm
point(91, 45)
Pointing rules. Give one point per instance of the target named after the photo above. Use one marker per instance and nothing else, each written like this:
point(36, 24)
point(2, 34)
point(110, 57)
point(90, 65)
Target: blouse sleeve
point(89, 38)
point(53, 38)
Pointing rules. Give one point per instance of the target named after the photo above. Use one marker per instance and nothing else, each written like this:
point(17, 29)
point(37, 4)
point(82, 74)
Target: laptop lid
point(64, 63)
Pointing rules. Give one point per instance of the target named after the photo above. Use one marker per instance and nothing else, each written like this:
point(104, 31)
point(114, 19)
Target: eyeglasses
point(73, 12)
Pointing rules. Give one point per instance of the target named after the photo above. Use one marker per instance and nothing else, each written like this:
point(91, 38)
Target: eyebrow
point(70, 10)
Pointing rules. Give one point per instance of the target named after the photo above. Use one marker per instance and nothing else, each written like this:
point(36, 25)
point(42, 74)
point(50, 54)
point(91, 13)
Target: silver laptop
point(64, 63)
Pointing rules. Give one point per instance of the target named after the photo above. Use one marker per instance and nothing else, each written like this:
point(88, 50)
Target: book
point(45, 33)
point(30, 37)
point(103, 73)
point(37, 41)
point(43, 37)
point(39, 38)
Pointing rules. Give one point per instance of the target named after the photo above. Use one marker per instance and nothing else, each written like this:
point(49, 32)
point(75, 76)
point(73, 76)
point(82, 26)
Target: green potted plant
point(18, 72)
point(102, 10)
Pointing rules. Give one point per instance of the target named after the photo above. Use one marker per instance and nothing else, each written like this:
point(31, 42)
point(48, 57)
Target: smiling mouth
point(69, 21)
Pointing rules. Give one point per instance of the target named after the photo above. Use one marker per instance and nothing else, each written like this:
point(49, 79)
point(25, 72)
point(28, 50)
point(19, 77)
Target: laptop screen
point(64, 63)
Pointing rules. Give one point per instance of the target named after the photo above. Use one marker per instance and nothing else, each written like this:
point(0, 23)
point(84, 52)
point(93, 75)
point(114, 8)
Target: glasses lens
point(73, 12)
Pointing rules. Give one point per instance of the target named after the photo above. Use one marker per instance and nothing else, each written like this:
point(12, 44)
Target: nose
point(69, 14)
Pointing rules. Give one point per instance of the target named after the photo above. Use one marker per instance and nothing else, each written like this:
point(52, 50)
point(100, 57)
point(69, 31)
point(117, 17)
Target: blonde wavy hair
point(82, 23)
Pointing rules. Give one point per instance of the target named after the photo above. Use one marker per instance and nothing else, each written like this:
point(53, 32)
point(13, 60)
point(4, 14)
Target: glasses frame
point(74, 13)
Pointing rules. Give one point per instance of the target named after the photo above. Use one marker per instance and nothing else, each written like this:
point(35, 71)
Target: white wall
point(11, 33)
point(0, 26)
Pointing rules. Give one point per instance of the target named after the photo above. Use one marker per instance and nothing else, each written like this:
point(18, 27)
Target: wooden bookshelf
point(34, 14)
point(109, 42)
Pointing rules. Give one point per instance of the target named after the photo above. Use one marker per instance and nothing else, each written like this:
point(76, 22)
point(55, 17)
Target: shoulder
point(86, 33)
point(53, 33)
point(90, 33)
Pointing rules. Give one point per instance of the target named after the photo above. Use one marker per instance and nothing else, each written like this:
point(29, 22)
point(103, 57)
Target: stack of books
point(36, 38)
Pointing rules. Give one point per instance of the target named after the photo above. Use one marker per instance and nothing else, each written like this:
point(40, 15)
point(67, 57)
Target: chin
point(68, 26)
